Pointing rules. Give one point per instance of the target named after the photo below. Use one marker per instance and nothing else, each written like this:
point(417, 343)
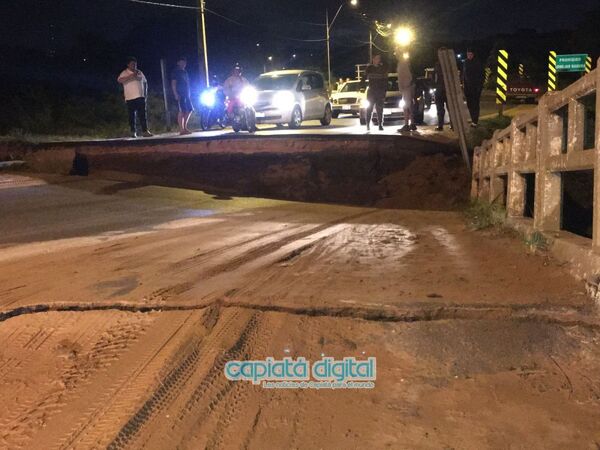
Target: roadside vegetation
point(481, 215)
point(41, 114)
point(486, 129)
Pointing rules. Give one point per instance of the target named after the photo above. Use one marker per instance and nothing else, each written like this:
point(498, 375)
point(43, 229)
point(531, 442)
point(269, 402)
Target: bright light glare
point(365, 103)
point(249, 96)
point(284, 100)
point(404, 36)
point(354, 2)
point(402, 104)
point(208, 98)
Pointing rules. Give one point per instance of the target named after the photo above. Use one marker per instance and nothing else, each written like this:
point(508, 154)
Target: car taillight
point(536, 90)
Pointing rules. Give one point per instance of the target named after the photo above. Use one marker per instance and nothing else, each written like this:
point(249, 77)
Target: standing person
point(180, 83)
point(376, 75)
point(406, 86)
point(135, 90)
point(441, 99)
point(472, 76)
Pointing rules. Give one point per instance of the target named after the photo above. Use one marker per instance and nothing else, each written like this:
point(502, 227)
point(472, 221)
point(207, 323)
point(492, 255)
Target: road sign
point(502, 77)
point(588, 64)
point(571, 63)
point(552, 71)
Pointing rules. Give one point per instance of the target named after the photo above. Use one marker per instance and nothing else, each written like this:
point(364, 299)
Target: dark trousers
point(137, 107)
point(440, 103)
point(473, 99)
point(375, 103)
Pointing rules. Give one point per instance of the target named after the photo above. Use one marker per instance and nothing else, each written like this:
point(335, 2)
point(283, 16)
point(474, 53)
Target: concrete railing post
point(547, 183)
point(515, 203)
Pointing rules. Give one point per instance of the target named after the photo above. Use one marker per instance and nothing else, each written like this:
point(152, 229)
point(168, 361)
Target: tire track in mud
point(271, 247)
point(177, 382)
point(129, 387)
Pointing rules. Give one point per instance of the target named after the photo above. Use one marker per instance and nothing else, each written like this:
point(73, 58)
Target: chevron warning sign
point(502, 77)
point(588, 64)
point(552, 71)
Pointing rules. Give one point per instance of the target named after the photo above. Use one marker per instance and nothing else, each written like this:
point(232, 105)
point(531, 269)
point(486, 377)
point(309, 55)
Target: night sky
point(150, 32)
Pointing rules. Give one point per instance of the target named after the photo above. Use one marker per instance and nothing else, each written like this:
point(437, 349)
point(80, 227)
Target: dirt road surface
point(120, 305)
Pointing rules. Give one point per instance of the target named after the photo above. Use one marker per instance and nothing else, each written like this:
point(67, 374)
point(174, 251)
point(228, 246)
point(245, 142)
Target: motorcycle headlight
point(365, 103)
point(284, 100)
point(249, 96)
point(208, 98)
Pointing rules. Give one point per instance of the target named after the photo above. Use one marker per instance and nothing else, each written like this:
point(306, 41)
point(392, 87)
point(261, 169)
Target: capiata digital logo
point(289, 373)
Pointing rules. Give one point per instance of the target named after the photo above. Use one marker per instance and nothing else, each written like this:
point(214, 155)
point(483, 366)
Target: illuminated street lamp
point(328, 27)
point(404, 36)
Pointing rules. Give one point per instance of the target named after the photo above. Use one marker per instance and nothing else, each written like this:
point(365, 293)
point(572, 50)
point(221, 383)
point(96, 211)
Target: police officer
point(377, 76)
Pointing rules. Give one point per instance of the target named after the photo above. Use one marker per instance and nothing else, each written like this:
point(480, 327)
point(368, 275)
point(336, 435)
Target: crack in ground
point(562, 316)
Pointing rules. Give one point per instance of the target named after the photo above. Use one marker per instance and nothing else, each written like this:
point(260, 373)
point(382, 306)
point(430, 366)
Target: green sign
point(570, 63)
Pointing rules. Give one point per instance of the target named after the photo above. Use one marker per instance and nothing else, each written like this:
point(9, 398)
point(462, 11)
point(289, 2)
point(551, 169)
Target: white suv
point(348, 98)
point(291, 96)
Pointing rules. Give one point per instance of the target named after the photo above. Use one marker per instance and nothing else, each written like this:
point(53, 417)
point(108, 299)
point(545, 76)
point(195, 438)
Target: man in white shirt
point(135, 89)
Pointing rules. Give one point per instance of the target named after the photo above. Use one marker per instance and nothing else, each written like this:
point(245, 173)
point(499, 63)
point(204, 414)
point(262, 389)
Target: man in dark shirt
point(180, 83)
point(377, 76)
point(441, 101)
point(473, 83)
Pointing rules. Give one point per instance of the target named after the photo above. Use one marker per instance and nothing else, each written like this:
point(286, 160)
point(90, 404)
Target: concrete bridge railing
point(527, 160)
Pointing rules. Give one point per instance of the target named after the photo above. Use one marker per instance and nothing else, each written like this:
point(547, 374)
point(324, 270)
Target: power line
point(228, 19)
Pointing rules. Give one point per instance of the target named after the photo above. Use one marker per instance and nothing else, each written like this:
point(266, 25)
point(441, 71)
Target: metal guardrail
point(561, 135)
point(459, 115)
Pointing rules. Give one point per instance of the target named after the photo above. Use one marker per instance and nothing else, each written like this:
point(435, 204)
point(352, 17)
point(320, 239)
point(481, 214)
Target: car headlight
point(402, 104)
point(208, 98)
point(365, 103)
point(249, 96)
point(284, 100)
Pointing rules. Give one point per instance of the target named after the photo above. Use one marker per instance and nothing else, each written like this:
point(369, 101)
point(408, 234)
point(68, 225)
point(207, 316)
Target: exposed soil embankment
point(394, 172)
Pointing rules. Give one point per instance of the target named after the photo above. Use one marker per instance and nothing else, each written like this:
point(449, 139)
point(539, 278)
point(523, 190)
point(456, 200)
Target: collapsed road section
point(389, 171)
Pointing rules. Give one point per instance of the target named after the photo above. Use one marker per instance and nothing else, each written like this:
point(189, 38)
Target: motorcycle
point(242, 113)
point(214, 109)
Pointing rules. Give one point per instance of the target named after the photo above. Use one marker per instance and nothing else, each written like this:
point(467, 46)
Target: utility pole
point(370, 46)
point(202, 50)
point(327, 27)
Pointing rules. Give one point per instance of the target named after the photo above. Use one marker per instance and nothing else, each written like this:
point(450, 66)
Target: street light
point(328, 27)
point(404, 36)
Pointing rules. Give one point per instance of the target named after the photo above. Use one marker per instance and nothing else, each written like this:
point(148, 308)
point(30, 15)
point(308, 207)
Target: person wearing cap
point(180, 84)
point(234, 85)
point(135, 91)
point(472, 78)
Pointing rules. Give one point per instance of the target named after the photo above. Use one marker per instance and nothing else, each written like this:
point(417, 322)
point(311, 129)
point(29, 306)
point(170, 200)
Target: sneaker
point(413, 127)
point(474, 125)
point(380, 127)
point(404, 129)
point(147, 134)
point(439, 129)
point(133, 135)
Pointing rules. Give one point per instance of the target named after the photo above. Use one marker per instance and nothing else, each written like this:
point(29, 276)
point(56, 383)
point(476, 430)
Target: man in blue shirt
point(180, 83)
